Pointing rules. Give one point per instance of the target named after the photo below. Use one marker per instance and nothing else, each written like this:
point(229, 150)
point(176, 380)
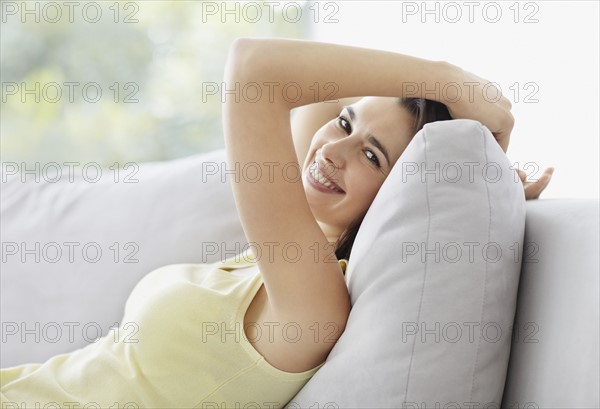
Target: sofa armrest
point(554, 356)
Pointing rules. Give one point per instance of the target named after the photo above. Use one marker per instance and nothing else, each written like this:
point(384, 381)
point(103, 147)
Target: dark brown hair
point(423, 111)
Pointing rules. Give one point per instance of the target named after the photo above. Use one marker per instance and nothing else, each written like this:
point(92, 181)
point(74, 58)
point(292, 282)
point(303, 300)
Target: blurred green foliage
point(150, 60)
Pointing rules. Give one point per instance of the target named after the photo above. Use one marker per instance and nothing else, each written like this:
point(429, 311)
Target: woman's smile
point(320, 180)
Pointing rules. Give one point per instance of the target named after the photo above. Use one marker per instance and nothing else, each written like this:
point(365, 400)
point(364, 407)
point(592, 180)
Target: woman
point(219, 335)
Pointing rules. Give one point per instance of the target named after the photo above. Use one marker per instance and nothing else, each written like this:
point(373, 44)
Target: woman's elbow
point(245, 60)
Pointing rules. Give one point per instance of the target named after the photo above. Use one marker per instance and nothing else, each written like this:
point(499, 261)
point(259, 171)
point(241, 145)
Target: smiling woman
point(183, 357)
point(305, 290)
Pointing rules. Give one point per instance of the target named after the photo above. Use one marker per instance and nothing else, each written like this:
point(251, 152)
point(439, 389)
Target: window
point(116, 82)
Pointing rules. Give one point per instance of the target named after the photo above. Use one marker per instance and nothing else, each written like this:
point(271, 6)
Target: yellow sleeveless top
point(181, 344)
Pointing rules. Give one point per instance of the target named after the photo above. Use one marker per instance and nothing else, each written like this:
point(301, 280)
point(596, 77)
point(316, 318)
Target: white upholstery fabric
point(177, 212)
point(554, 358)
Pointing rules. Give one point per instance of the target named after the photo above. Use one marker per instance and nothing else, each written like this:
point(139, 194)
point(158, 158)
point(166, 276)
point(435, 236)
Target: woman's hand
point(480, 100)
point(534, 189)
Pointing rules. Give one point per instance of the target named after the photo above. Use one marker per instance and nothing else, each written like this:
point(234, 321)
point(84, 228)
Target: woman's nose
point(330, 160)
point(335, 153)
point(339, 151)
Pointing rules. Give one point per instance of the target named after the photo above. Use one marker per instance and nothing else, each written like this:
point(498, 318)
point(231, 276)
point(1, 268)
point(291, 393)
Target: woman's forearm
point(296, 73)
point(280, 75)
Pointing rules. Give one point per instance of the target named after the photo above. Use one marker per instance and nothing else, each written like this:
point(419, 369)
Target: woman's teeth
point(314, 171)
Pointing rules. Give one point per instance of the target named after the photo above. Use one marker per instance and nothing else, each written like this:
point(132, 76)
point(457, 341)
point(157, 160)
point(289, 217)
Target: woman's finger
point(534, 189)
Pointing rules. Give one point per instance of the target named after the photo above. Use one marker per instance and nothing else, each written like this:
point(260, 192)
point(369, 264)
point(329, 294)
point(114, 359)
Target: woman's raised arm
point(265, 79)
point(299, 72)
point(325, 71)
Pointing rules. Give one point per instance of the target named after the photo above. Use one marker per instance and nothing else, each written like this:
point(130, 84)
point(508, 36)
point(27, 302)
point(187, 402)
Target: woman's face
point(355, 152)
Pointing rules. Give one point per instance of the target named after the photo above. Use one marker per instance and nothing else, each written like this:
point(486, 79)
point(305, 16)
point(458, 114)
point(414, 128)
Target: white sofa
point(554, 356)
point(72, 250)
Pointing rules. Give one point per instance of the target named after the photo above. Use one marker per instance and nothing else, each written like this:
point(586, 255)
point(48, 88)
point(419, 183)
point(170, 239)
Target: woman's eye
point(345, 124)
point(373, 158)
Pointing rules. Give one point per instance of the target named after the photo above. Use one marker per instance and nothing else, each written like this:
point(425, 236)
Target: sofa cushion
point(73, 249)
point(433, 280)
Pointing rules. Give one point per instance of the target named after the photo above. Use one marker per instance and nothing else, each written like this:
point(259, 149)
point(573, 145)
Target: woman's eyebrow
point(350, 112)
point(371, 138)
